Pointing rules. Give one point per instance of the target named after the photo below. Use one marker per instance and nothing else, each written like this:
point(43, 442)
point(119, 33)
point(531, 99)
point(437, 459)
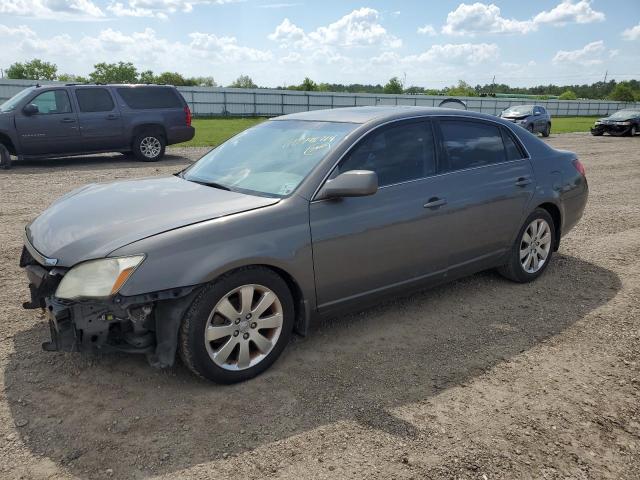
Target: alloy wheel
point(535, 245)
point(243, 327)
point(150, 147)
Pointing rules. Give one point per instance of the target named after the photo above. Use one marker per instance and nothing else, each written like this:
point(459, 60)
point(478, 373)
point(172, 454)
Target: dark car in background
point(619, 124)
point(534, 118)
point(302, 216)
point(66, 120)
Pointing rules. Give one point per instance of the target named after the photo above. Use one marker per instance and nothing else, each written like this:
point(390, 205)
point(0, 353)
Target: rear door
point(489, 182)
point(101, 126)
point(54, 129)
point(365, 245)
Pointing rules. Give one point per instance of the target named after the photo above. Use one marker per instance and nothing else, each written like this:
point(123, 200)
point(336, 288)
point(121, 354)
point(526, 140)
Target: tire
point(633, 131)
point(230, 337)
point(5, 158)
point(597, 133)
point(149, 146)
point(530, 129)
point(515, 269)
point(547, 130)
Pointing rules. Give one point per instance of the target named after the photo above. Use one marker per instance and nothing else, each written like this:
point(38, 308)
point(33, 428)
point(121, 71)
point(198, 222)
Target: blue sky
point(276, 42)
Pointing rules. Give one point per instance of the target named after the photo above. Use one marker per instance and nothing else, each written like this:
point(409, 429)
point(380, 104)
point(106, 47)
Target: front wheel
point(533, 248)
point(5, 158)
point(547, 130)
point(237, 326)
point(149, 147)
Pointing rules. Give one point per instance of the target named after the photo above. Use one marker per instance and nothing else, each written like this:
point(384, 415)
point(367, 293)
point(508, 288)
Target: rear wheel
point(547, 130)
point(533, 248)
point(149, 147)
point(237, 326)
point(5, 157)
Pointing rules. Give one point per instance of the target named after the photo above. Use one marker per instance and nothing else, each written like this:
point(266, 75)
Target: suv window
point(471, 144)
point(53, 101)
point(143, 98)
point(397, 154)
point(94, 100)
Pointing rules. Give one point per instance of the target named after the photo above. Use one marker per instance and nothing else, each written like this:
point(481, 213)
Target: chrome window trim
point(38, 257)
point(423, 117)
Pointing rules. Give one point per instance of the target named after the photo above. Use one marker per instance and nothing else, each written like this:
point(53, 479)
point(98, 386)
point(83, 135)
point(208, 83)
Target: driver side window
point(53, 101)
point(398, 153)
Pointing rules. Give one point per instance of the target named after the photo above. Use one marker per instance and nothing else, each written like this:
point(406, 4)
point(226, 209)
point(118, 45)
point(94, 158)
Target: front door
point(100, 121)
point(366, 245)
point(53, 129)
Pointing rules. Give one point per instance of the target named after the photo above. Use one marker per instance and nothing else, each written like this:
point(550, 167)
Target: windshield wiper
point(209, 184)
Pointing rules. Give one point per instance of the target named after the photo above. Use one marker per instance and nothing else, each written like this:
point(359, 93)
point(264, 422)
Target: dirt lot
point(481, 378)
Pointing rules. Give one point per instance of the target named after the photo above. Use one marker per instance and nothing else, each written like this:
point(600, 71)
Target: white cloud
point(590, 54)
point(158, 8)
point(632, 33)
point(226, 48)
point(58, 9)
point(452, 53)
point(427, 30)
point(482, 18)
point(359, 28)
point(569, 12)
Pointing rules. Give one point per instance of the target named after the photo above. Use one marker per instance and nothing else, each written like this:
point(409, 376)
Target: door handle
point(435, 202)
point(523, 181)
point(68, 120)
point(112, 117)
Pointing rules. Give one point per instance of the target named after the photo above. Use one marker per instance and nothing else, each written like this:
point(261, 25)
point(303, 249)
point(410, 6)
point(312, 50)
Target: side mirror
point(31, 109)
point(354, 183)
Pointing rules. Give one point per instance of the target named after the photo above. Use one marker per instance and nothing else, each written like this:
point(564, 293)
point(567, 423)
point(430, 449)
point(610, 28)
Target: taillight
point(579, 167)
point(187, 114)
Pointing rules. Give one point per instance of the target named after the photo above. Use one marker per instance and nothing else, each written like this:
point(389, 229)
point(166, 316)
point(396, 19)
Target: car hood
point(97, 219)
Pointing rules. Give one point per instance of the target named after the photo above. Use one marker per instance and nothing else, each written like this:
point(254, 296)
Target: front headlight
point(97, 278)
point(623, 123)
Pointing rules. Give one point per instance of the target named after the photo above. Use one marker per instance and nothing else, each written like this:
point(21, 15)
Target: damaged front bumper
point(611, 129)
point(147, 323)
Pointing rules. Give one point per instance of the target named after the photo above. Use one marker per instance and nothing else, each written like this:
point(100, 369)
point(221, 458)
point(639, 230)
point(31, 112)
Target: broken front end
point(145, 324)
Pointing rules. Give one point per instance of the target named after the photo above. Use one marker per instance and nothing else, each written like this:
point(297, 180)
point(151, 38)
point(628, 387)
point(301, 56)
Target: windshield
point(519, 110)
point(271, 158)
point(624, 114)
point(13, 102)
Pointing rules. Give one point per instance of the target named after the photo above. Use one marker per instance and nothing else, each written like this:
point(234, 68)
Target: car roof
point(378, 113)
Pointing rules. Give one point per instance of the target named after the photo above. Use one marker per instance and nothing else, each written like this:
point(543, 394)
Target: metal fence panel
point(214, 101)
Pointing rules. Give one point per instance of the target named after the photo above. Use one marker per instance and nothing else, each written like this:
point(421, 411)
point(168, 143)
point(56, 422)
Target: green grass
point(211, 132)
point(571, 124)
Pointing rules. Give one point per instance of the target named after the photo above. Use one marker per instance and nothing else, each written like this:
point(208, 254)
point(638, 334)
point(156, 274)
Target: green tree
point(622, 93)
point(243, 81)
point(120, 72)
point(71, 78)
point(171, 78)
point(36, 69)
point(394, 85)
point(308, 85)
point(568, 95)
point(463, 89)
point(147, 77)
point(202, 81)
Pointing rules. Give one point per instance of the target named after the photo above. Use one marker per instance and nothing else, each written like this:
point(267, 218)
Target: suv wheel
point(547, 130)
point(149, 147)
point(533, 248)
point(530, 128)
point(237, 326)
point(5, 158)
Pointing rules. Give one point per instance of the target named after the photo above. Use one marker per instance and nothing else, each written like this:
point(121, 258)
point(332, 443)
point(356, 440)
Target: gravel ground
point(480, 378)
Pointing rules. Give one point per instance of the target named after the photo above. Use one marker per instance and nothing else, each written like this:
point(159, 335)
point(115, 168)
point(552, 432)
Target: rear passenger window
point(510, 146)
point(397, 154)
point(471, 144)
point(143, 98)
point(94, 100)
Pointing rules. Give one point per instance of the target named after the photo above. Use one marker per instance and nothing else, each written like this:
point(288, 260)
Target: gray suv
point(531, 117)
point(55, 121)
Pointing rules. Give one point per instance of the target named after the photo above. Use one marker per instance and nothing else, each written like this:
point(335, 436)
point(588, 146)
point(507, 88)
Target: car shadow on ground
point(93, 162)
point(73, 408)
